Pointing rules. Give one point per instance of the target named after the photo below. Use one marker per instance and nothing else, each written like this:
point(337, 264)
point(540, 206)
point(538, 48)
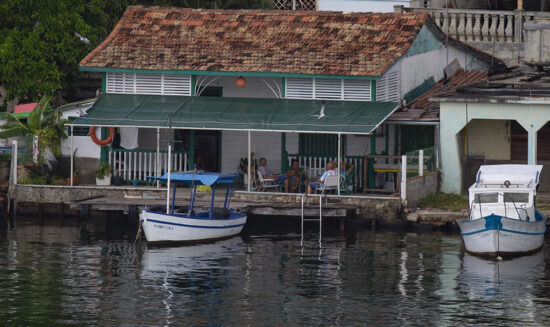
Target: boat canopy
point(517, 175)
point(198, 178)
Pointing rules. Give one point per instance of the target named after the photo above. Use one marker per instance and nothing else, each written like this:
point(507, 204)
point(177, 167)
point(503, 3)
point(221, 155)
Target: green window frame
point(319, 144)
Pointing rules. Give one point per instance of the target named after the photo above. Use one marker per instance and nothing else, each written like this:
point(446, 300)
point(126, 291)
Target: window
point(320, 144)
point(328, 88)
point(486, 198)
point(161, 84)
point(516, 197)
point(78, 130)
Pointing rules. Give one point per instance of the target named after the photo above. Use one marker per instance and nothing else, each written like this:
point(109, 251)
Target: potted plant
point(243, 167)
point(103, 174)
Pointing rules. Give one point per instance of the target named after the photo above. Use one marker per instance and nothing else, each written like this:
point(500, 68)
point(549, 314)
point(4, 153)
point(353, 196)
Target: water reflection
point(358, 277)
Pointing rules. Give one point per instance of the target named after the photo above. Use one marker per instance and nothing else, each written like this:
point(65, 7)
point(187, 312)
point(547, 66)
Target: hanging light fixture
point(240, 81)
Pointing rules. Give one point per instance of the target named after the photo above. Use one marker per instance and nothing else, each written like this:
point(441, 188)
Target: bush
point(103, 170)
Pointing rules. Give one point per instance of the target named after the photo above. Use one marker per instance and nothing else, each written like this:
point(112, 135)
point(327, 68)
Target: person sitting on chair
point(267, 174)
point(329, 172)
point(293, 177)
point(346, 172)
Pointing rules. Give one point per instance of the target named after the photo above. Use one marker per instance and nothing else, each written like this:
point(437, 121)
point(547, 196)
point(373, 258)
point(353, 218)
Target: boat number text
point(163, 227)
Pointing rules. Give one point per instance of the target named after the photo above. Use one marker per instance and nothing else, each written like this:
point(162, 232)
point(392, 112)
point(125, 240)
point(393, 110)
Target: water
point(49, 277)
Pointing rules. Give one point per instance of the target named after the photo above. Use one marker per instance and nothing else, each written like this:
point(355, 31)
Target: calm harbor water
point(358, 277)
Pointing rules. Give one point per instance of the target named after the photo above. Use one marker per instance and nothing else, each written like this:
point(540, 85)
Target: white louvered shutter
point(299, 88)
point(158, 84)
point(177, 85)
point(148, 84)
point(388, 88)
point(326, 88)
point(357, 90)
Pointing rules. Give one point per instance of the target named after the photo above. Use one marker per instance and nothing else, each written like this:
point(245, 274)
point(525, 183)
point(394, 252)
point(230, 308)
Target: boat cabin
point(505, 190)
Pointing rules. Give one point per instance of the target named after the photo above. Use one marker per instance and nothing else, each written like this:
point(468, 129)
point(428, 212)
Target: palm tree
point(43, 127)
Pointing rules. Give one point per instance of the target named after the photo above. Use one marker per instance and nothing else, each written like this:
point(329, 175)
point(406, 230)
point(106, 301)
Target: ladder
point(320, 219)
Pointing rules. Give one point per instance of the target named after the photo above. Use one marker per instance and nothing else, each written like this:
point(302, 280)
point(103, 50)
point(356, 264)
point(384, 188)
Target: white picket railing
point(315, 166)
point(138, 164)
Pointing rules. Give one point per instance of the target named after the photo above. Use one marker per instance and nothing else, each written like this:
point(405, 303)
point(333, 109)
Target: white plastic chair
point(265, 184)
point(330, 184)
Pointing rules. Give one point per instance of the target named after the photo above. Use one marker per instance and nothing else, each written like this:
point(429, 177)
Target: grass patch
point(451, 202)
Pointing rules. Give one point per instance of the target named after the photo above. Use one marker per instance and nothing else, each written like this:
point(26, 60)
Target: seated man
point(331, 170)
point(293, 177)
point(267, 174)
point(346, 167)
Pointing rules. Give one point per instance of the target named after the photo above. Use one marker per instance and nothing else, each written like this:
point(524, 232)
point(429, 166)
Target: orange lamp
point(240, 81)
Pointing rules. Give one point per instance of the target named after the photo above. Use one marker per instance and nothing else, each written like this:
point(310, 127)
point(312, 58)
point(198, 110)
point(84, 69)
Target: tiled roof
point(422, 109)
point(298, 42)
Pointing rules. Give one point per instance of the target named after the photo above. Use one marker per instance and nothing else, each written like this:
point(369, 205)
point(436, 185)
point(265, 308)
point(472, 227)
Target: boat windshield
point(516, 197)
point(486, 198)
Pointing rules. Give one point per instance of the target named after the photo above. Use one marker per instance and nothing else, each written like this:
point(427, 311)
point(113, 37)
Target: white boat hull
point(495, 235)
point(162, 228)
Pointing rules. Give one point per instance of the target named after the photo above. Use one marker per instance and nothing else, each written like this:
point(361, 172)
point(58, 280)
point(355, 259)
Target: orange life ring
point(106, 141)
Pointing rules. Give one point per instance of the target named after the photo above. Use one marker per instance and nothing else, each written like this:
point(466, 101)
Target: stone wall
point(419, 187)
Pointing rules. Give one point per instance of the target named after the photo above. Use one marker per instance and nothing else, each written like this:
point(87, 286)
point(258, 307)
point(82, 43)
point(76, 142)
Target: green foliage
point(39, 44)
point(103, 170)
point(35, 180)
point(43, 123)
point(451, 202)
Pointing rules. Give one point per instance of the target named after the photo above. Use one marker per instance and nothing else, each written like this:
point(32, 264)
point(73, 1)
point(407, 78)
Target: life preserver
point(106, 141)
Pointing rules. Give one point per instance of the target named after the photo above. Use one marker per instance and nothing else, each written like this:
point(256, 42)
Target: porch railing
point(138, 164)
point(315, 166)
point(480, 25)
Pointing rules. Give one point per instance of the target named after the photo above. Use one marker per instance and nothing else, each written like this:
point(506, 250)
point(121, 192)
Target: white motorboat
point(502, 217)
point(189, 224)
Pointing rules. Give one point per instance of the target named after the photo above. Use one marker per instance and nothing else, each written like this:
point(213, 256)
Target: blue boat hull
point(496, 235)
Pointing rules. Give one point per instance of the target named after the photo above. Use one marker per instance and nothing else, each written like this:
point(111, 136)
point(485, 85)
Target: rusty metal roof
point(423, 109)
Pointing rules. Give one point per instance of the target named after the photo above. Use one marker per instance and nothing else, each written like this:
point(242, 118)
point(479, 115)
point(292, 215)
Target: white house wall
point(255, 86)
point(83, 145)
point(489, 138)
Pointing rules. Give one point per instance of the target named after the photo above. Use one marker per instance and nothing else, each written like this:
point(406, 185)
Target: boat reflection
point(513, 278)
point(188, 258)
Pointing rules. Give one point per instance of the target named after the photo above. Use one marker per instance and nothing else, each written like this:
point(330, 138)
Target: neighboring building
point(500, 120)
point(203, 79)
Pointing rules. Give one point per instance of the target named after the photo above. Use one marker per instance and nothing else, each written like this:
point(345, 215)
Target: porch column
point(249, 168)
point(339, 159)
point(157, 163)
point(72, 155)
point(532, 126)
point(284, 158)
point(371, 161)
point(452, 121)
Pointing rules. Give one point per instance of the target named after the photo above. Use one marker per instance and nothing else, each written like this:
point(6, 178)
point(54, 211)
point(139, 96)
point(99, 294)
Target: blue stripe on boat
point(192, 226)
point(494, 222)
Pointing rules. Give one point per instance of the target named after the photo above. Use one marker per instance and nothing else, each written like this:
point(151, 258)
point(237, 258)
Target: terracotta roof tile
point(302, 42)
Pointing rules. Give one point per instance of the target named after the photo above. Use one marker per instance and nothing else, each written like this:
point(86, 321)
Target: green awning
point(242, 114)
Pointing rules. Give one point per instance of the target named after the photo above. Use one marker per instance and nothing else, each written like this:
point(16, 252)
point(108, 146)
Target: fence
point(138, 164)
point(315, 166)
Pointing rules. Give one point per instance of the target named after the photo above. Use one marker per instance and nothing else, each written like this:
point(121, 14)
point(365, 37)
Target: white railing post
point(72, 156)
point(421, 163)
point(14, 154)
point(168, 184)
point(403, 178)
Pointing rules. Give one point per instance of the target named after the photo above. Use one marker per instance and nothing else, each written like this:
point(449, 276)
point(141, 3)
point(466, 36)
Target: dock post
point(320, 218)
point(72, 156)
point(403, 179)
point(421, 163)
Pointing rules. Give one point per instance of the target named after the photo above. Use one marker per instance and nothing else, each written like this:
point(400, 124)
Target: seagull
point(82, 38)
point(322, 112)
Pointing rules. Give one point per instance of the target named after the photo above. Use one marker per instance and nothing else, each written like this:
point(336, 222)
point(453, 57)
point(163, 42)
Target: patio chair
point(330, 184)
point(265, 184)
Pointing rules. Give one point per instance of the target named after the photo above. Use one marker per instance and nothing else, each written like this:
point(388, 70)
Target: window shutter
point(326, 88)
point(357, 90)
point(299, 88)
point(161, 84)
point(177, 84)
point(388, 88)
point(148, 84)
